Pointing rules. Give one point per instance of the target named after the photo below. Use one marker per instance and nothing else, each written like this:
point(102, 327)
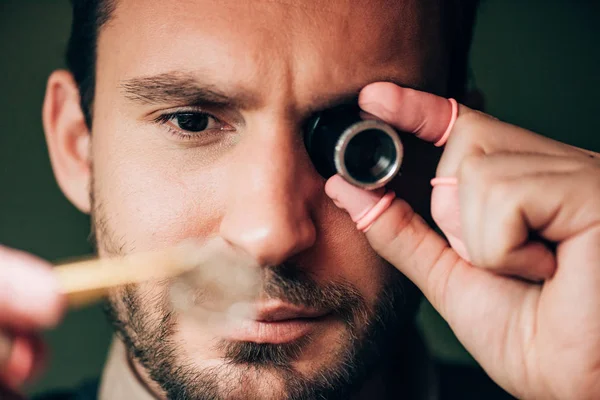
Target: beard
point(364, 347)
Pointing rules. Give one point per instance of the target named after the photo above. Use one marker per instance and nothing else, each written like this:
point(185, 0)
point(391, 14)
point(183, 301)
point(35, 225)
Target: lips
point(275, 322)
point(275, 311)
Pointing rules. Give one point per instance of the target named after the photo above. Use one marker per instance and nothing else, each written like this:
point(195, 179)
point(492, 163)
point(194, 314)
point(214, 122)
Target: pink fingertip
point(453, 118)
point(371, 216)
point(356, 201)
point(444, 180)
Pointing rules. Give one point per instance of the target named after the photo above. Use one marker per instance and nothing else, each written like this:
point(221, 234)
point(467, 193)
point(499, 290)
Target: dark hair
point(459, 20)
point(89, 16)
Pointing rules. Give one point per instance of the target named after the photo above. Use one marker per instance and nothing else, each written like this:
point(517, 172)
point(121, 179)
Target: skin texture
point(526, 306)
point(527, 313)
point(248, 179)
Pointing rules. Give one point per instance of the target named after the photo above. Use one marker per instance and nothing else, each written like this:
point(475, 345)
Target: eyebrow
point(183, 89)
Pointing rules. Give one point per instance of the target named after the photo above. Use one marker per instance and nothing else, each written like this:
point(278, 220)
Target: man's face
point(197, 133)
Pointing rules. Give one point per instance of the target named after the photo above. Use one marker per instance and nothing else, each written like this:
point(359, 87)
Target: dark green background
point(536, 61)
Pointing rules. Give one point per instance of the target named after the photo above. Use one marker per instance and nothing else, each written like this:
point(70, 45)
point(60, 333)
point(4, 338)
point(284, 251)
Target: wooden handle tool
point(86, 281)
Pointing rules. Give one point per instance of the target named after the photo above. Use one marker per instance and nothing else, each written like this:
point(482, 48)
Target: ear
point(68, 138)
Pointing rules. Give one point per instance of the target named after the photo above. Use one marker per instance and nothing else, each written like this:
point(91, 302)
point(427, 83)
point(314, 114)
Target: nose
point(271, 189)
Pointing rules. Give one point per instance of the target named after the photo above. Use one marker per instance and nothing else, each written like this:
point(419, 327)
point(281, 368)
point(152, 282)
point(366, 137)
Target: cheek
point(152, 195)
point(343, 253)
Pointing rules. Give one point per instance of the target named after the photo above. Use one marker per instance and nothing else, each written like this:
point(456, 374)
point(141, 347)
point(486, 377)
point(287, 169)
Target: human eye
point(189, 125)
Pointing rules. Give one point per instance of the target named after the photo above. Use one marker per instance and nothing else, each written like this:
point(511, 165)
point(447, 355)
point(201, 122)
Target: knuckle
point(471, 168)
point(590, 182)
point(501, 191)
point(467, 125)
point(469, 116)
point(593, 177)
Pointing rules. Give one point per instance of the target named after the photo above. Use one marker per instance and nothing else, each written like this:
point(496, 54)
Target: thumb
point(400, 236)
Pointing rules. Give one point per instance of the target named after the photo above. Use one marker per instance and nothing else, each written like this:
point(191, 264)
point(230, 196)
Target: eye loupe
point(365, 152)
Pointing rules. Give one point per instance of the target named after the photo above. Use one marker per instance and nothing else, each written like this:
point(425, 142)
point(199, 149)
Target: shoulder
point(468, 383)
point(86, 391)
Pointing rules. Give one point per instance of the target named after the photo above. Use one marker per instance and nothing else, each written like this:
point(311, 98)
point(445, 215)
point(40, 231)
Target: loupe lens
point(367, 153)
point(370, 156)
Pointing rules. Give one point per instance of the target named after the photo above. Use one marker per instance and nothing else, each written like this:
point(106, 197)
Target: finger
point(533, 261)
point(401, 237)
point(29, 292)
point(25, 359)
point(482, 177)
point(476, 174)
point(428, 117)
point(446, 214)
point(489, 167)
point(445, 211)
point(557, 206)
point(424, 114)
point(6, 342)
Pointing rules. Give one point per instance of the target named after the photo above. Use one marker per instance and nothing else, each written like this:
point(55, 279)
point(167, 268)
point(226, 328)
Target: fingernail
point(356, 201)
point(444, 180)
point(378, 93)
point(373, 108)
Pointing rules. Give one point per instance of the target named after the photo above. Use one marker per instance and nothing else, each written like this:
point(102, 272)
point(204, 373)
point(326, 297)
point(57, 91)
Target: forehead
point(274, 44)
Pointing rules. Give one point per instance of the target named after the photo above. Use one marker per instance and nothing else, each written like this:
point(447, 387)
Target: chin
point(247, 382)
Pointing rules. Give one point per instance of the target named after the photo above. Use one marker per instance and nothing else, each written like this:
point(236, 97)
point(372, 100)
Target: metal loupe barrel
point(365, 152)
